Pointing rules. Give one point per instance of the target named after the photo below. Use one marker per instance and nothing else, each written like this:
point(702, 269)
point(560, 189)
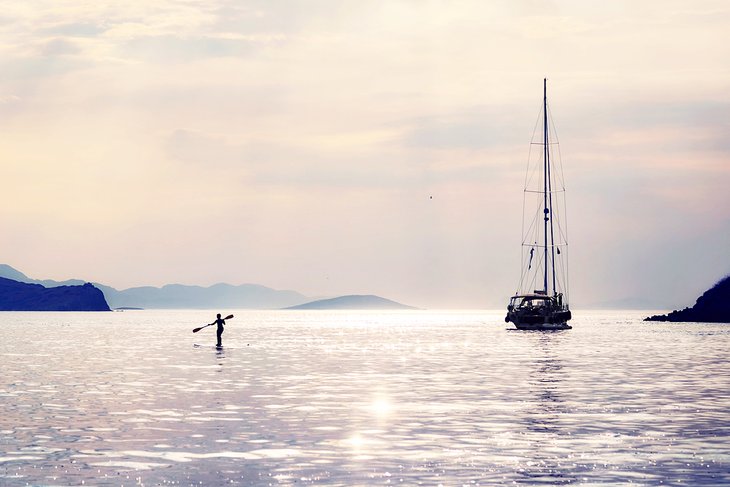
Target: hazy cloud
point(59, 47)
point(315, 133)
point(75, 29)
point(477, 129)
point(167, 49)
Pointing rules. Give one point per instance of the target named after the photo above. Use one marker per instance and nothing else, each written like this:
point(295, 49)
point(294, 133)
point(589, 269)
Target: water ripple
point(370, 398)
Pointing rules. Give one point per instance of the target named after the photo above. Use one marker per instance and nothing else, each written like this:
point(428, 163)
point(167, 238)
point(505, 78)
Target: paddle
point(196, 330)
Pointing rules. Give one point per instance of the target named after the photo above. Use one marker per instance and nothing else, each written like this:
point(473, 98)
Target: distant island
point(712, 307)
point(20, 296)
point(354, 302)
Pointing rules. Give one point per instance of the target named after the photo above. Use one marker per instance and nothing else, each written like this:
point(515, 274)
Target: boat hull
point(543, 326)
point(535, 320)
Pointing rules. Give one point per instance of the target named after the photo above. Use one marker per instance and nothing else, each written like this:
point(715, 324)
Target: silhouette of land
point(712, 307)
point(245, 296)
point(178, 296)
point(364, 302)
point(20, 296)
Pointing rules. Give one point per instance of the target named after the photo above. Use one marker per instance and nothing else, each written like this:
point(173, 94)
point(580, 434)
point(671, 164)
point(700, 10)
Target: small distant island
point(712, 307)
point(354, 302)
point(20, 296)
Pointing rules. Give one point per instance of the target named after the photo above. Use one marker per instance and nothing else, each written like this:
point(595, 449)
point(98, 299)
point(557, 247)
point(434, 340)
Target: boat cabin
point(537, 300)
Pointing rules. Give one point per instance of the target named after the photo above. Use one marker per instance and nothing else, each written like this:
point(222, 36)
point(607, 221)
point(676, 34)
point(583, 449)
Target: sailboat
point(541, 299)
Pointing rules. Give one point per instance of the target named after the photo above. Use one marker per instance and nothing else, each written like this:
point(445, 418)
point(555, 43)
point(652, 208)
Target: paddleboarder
point(220, 322)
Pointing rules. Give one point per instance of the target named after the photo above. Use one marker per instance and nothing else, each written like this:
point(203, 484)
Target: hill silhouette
point(712, 307)
point(20, 296)
point(363, 302)
point(178, 296)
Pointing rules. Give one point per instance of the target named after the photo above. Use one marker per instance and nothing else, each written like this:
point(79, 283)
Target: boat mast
point(546, 155)
point(550, 207)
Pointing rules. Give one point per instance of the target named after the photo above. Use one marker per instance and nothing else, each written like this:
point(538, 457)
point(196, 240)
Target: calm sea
point(341, 398)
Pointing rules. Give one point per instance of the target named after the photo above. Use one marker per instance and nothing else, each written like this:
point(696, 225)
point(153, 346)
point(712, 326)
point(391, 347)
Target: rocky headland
point(21, 296)
point(712, 307)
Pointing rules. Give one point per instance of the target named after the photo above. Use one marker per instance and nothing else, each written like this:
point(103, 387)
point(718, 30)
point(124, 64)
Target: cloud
point(271, 163)
point(480, 128)
point(33, 70)
point(366, 166)
point(175, 49)
point(200, 149)
point(9, 99)
point(59, 47)
point(75, 29)
point(277, 17)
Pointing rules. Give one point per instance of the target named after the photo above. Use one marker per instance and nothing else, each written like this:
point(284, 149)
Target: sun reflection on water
point(356, 441)
point(381, 407)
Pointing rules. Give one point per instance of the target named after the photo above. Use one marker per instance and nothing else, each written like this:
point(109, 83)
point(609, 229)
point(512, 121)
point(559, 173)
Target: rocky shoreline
point(712, 307)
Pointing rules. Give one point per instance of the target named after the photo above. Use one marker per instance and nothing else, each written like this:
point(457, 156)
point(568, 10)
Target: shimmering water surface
point(338, 398)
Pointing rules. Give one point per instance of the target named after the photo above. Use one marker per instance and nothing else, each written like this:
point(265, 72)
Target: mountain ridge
point(179, 296)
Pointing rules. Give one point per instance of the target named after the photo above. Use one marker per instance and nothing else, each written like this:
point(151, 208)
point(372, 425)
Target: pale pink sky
point(297, 144)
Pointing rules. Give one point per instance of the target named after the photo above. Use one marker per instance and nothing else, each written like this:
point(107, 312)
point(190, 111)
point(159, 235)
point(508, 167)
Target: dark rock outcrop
point(20, 296)
point(712, 307)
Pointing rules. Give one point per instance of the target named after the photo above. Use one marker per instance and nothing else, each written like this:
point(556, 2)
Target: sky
point(348, 147)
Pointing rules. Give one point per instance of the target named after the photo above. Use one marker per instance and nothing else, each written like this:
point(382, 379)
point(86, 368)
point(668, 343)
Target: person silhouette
point(220, 322)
